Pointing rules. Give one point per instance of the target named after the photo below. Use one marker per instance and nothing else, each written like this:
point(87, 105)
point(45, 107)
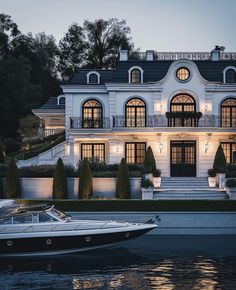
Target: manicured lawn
point(139, 205)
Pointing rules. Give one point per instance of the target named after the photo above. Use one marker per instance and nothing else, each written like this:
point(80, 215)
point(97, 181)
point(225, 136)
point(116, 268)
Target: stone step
point(163, 197)
point(187, 188)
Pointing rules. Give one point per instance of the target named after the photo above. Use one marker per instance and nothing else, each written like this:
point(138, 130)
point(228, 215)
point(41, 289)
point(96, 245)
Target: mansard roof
point(153, 71)
point(51, 104)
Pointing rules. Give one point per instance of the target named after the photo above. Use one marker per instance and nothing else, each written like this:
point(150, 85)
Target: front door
point(183, 158)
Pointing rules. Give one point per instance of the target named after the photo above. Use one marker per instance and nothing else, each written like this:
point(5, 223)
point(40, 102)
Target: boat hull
point(52, 245)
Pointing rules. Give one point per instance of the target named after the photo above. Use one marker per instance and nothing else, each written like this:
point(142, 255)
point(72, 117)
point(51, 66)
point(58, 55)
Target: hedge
point(138, 205)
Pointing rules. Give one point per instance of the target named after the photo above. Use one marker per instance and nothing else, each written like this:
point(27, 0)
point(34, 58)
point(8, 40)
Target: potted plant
point(146, 188)
point(156, 178)
point(211, 177)
point(231, 188)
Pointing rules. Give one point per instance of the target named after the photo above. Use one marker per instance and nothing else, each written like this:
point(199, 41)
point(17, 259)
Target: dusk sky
point(162, 25)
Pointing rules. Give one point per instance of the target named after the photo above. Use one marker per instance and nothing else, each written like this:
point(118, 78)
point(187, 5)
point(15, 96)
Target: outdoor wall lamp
point(160, 146)
point(206, 107)
point(206, 146)
point(117, 148)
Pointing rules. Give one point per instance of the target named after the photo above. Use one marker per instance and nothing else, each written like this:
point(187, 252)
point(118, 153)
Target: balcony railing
point(95, 123)
point(149, 121)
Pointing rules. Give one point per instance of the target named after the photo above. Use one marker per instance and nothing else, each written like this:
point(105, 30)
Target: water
point(151, 262)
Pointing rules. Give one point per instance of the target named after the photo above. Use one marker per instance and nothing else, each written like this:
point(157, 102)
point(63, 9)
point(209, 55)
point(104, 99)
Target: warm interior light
point(160, 146)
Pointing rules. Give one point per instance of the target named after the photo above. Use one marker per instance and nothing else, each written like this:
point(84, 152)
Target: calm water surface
point(151, 262)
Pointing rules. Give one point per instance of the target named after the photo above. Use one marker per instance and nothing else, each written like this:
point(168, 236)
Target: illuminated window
point(230, 151)
point(183, 74)
point(228, 113)
point(135, 76)
point(135, 113)
point(93, 151)
point(135, 152)
point(92, 114)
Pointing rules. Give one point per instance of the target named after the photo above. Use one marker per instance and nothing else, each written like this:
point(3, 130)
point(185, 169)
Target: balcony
point(149, 121)
point(95, 123)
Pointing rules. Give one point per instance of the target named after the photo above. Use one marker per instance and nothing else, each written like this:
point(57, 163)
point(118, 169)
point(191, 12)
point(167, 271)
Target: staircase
point(187, 188)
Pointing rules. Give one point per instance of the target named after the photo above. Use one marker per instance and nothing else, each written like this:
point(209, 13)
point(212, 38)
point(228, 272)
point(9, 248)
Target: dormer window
point(229, 75)
point(93, 78)
point(61, 100)
point(135, 75)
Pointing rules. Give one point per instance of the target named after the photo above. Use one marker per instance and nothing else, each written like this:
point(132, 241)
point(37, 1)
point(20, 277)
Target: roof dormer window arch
point(93, 77)
point(61, 100)
point(135, 75)
point(229, 74)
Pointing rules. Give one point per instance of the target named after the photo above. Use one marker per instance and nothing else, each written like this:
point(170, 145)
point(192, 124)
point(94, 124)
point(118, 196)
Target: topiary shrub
point(219, 164)
point(211, 172)
point(85, 180)
point(123, 181)
point(13, 189)
point(1, 187)
point(59, 189)
point(231, 174)
point(231, 182)
point(149, 161)
point(2, 158)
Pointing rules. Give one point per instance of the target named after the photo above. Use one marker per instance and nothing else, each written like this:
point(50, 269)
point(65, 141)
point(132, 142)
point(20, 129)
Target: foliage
point(156, 173)
point(145, 182)
point(149, 161)
point(85, 181)
point(197, 115)
point(59, 190)
point(28, 126)
point(231, 182)
point(2, 157)
point(220, 161)
point(211, 172)
point(231, 167)
point(13, 189)
point(45, 171)
point(123, 181)
point(1, 188)
point(231, 174)
point(96, 44)
point(140, 205)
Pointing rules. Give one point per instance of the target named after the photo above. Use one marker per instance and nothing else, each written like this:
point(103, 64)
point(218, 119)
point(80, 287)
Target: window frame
point(98, 78)
point(182, 68)
point(135, 112)
point(130, 76)
point(92, 109)
point(225, 74)
point(135, 151)
point(230, 113)
point(230, 151)
point(92, 144)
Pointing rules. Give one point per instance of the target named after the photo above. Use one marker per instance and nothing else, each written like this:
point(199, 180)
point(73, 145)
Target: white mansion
point(183, 105)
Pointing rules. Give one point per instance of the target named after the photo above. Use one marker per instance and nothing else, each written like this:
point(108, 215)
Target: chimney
point(149, 55)
point(215, 53)
point(123, 55)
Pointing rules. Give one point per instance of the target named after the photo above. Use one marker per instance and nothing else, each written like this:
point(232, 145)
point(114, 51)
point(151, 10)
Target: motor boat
point(29, 230)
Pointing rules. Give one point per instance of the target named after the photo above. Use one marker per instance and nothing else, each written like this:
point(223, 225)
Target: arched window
point(92, 114)
point(228, 113)
point(61, 101)
point(135, 76)
point(230, 76)
point(93, 79)
point(182, 111)
point(135, 113)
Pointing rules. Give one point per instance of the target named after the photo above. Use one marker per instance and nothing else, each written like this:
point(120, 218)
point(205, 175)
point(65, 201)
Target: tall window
point(93, 79)
point(135, 113)
point(135, 152)
point(230, 76)
point(228, 113)
point(92, 114)
point(230, 151)
point(93, 151)
point(182, 111)
point(135, 76)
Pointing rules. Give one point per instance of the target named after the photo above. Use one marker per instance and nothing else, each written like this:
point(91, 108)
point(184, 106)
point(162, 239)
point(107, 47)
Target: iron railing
point(95, 123)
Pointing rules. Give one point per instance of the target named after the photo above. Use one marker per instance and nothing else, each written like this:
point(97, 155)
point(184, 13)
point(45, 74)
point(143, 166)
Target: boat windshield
point(59, 214)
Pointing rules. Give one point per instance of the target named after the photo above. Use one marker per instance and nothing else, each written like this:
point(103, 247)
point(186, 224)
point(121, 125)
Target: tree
point(123, 181)
point(28, 126)
point(60, 181)
point(149, 161)
point(219, 164)
point(96, 44)
point(13, 189)
point(85, 180)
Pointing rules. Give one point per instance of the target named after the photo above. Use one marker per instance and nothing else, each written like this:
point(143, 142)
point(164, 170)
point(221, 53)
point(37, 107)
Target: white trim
point(141, 73)
point(58, 100)
point(90, 73)
point(225, 70)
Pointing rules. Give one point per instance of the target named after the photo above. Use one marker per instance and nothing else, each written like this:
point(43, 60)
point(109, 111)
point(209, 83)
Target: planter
point(212, 181)
point(231, 191)
point(156, 181)
point(221, 181)
point(147, 193)
point(148, 176)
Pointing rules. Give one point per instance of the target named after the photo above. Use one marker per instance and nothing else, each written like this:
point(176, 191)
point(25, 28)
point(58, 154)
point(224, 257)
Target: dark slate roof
point(52, 104)
point(153, 71)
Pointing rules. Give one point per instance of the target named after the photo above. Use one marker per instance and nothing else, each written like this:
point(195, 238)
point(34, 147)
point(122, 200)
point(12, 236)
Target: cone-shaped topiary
point(2, 158)
point(123, 181)
point(13, 189)
point(219, 164)
point(85, 180)
point(1, 187)
point(149, 161)
point(59, 189)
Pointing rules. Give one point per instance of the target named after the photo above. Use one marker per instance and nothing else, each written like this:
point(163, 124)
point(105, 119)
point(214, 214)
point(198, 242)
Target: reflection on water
point(151, 262)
